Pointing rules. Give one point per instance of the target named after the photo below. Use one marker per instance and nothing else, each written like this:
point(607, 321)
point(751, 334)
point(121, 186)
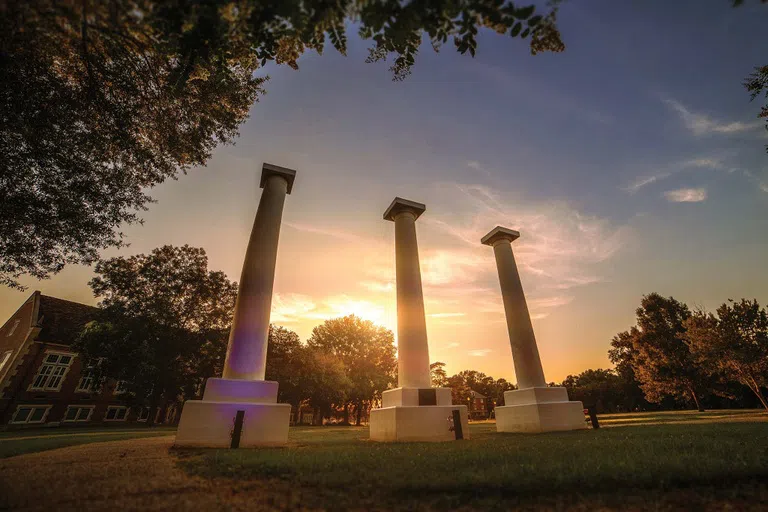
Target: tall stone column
point(240, 409)
point(413, 357)
point(525, 353)
point(533, 407)
point(247, 348)
point(414, 411)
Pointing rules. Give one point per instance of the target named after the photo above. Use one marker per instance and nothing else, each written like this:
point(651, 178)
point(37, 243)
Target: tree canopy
point(366, 351)
point(163, 324)
point(102, 100)
point(734, 343)
point(657, 352)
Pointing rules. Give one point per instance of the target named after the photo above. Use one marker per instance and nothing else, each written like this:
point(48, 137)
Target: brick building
point(43, 382)
point(478, 405)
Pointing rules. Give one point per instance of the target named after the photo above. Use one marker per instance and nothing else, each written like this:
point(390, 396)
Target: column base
point(416, 397)
point(209, 422)
point(536, 410)
point(417, 423)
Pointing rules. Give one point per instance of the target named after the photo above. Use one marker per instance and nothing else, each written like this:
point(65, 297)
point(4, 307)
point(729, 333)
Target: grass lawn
point(686, 460)
point(18, 442)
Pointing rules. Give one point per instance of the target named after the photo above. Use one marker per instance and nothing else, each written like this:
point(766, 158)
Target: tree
point(286, 364)
point(660, 358)
point(324, 381)
point(102, 100)
point(602, 389)
point(735, 343)
point(161, 313)
point(756, 83)
point(621, 354)
point(437, 375)
point(366, 351)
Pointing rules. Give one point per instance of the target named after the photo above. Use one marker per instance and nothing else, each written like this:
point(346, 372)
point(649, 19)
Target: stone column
point(525, 353)
point(412, 347)
point(414, 411)
point(247, 348)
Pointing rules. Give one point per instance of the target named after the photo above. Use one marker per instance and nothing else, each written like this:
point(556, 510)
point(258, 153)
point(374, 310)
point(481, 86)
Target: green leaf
point(525, 12)
point(516, 29)
point(525, 33)
point(534, 21)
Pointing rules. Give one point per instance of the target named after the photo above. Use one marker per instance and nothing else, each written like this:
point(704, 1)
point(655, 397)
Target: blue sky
point(631, 163)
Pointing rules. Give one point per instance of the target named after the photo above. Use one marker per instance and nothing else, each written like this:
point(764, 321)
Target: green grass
point(18, 442)
point(645, 465)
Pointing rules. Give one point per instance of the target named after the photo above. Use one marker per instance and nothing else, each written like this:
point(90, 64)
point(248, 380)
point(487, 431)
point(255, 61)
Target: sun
point(367, 310)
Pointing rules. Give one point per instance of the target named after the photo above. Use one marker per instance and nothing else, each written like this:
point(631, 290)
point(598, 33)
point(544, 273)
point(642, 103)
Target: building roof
point(475, 394)
point(61, 320)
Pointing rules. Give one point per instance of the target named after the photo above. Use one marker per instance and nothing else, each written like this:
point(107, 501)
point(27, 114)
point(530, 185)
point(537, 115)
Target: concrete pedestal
point(417, 414)
point(417, 423)
point(209, 422)
point(539, 409)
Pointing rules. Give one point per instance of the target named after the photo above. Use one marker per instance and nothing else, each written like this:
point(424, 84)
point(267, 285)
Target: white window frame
point(13, 328)
point(116, 408)
point(120, 384)
point(57, 370)
point(5, 358)
point(86, 374)
point(27, 421)
point(87, 418)
point(140, 417)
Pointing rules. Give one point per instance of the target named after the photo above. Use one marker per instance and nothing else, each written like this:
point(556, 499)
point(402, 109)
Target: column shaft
point(525, 353)
point(247, 348)
point(413, 350)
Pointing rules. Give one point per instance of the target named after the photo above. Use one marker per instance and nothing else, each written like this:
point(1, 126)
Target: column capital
point(269, 170)
point(499, 234)
point(400, 205)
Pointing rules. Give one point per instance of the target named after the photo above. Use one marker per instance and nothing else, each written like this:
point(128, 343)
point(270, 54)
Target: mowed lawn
point(660, 461)
point(686, 460)
point(19, 442)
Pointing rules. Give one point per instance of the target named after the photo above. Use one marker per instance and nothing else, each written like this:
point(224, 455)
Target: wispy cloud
point(453, 345)
point(293, 308)
point(480, 352)
point(686, 195)
point(333, 233)
point(710, 163)
point(446, 315)
point(701, 124)
point(378, 286)
point(558, 243)
point(549, 302)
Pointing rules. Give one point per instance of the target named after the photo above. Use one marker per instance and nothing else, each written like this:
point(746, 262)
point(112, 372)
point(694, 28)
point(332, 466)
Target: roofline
point(35, 309)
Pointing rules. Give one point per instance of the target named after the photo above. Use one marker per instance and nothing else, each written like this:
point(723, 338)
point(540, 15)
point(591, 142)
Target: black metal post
point(593, 417)
point(457, 429)
point(238, 430)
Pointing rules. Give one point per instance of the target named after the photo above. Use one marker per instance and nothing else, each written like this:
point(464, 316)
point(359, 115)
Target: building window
point(52, 372)
point(78, 413)
point(116, 413)
point(30, 414)
point(86, 380)
point(143, 414)
point(4, 358)
point(121, 387)
point(13, 328)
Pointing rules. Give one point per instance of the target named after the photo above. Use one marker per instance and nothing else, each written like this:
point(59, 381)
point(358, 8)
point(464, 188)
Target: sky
point(631, 163)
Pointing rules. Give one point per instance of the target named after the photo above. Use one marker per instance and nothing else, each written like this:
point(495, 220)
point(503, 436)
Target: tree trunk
point(359, 412)
point(346, 413)
point(153, 399)
point(756, 391)
point(696, 400)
